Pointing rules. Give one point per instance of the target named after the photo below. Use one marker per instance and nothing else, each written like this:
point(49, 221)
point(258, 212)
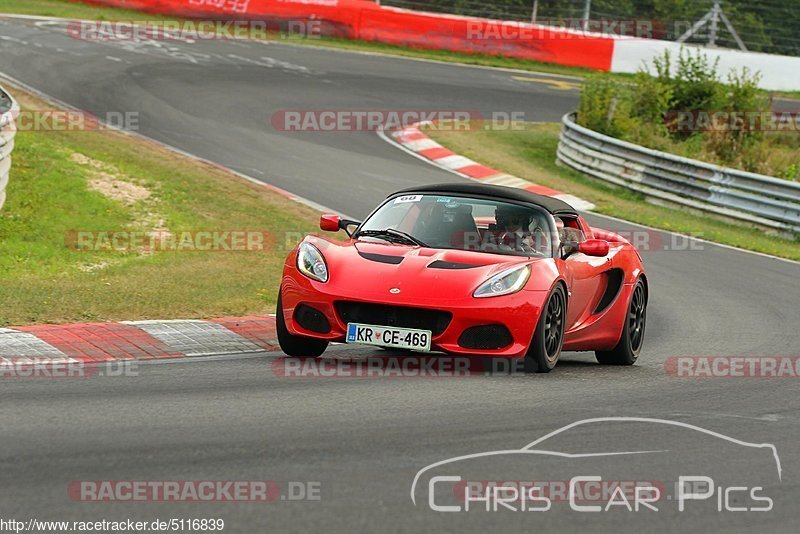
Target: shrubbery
point(650, 111)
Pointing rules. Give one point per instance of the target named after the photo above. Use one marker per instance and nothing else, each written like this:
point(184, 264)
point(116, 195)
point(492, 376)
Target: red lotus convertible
point(466, 268)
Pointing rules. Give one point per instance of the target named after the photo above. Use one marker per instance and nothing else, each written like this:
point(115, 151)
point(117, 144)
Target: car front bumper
point(518, 313)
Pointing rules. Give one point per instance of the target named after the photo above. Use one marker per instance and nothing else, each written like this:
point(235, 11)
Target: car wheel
point(292, 345)
point(630, 344)
point(548, 338)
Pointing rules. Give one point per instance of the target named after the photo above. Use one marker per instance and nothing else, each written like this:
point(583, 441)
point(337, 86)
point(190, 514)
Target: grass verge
point(529, 151)
point(108, 183)
point(71, 10)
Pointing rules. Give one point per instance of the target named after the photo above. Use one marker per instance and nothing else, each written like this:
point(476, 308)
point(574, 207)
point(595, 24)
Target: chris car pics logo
point(643, 479)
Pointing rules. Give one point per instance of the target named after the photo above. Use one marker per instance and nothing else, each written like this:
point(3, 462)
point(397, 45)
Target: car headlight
point(504, 283)
point(311, 263)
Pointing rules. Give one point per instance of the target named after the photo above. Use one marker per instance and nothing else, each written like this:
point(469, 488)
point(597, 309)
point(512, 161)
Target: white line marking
point(426, 60)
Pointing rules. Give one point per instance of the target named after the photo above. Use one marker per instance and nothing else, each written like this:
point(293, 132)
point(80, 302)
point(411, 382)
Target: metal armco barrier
point(8, 114)
point(746, 196)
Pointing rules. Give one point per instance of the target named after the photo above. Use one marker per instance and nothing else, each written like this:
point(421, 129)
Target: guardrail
point(9, 109)
point(741, 195)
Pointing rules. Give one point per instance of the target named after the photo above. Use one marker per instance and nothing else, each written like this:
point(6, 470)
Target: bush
point(647, 110)
point(695, 83)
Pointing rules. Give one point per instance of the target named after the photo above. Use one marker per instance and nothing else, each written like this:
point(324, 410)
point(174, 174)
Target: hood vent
point(381, 258)
point(439, 264)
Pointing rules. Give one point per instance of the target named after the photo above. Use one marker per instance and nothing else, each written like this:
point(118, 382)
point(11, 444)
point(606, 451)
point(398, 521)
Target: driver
point(514, 228)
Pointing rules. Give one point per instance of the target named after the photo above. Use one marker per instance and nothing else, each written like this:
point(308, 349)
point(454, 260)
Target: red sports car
point(471, 269)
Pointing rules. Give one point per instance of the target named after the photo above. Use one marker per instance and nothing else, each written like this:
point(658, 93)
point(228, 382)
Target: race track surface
point(364, 440)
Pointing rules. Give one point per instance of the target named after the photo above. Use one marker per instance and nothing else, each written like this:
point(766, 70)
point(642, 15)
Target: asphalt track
point(364, 440)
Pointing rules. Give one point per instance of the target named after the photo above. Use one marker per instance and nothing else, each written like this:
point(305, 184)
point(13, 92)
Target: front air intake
point(486, 337)
point(311, 319)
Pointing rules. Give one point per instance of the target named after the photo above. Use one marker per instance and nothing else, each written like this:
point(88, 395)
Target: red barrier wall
point(472, 35)
point(360, 19)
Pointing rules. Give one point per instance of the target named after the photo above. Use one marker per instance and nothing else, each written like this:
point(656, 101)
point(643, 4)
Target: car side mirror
point(330, 223)
point(333, 223)
point(594, 247)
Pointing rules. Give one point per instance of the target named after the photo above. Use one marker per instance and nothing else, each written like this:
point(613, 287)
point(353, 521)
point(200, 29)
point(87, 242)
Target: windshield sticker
point(408, 198)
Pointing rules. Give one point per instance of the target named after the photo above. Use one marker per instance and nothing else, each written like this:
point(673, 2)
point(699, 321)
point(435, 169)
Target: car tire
point(630, 344)
point(297, 346)
point(548, 338)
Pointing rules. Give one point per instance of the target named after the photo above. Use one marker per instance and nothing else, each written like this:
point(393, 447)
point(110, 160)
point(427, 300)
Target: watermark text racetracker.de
point(61, 120)
point(192, 30)
point(554, 29)
point(559, 29)
point(737, 121)
point(368, 120)
point(22, 367)
point(243, 240)
point(405, 366)
point(223, 6)
point(251, 491)
point(149, 241)
point(733, 366)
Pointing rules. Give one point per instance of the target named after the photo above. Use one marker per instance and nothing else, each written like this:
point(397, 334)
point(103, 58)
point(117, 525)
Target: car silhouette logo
point(394, 290)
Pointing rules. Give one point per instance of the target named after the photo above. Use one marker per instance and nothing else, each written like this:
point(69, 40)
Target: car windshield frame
point(544, 213)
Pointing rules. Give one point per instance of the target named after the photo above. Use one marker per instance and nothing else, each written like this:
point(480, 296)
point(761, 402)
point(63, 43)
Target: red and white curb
point(139, 340)
point(413, 140)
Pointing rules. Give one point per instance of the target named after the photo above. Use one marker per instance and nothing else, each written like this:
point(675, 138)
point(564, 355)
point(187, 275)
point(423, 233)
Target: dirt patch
point(111, 183)
point(80, 159)
point(119, 190)
point(115, 185)
point(92, 267)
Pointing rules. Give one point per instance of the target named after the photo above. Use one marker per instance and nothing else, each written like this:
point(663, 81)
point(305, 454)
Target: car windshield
point(462, 223)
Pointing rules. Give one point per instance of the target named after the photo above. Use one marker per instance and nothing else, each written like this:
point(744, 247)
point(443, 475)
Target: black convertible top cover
point(552, 205)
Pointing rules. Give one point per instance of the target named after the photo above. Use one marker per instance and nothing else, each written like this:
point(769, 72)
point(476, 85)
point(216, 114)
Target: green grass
point(72, 10)
point(45, 280)
point(530, 153)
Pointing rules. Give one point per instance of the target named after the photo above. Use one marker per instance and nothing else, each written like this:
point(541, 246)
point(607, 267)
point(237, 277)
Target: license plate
point(389, 336)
